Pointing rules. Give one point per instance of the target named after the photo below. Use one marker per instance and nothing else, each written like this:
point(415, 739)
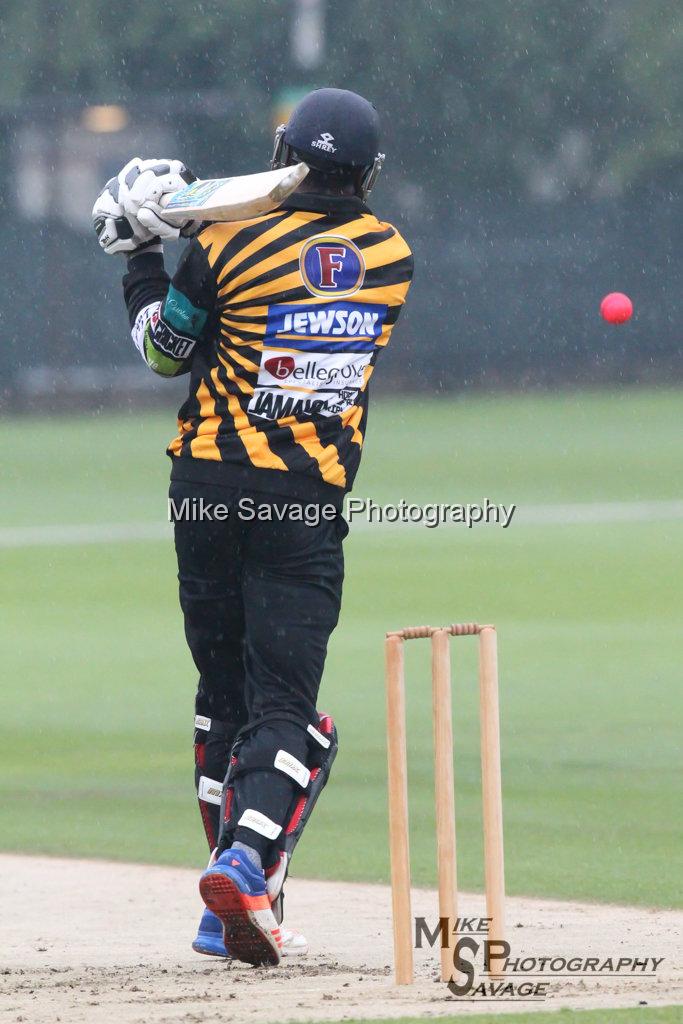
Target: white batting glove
point(143, 186)
point(116, 231)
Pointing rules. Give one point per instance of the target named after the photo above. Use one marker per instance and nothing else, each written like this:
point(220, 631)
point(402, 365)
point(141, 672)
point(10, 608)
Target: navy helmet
point(335, 132)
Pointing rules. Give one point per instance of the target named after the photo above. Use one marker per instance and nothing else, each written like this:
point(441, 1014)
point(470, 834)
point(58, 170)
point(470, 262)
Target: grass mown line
point(631, 1015)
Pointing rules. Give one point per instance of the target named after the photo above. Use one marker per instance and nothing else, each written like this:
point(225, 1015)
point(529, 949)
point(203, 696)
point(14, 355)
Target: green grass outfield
point(96, 710)
point(637, 1015)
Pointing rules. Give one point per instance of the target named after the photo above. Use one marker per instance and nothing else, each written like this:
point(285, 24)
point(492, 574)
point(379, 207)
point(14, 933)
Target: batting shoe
point(235, 891)
point(209, 940)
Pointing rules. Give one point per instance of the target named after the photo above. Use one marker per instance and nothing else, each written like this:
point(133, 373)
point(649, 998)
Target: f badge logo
point(331, 265)
point(331, 259)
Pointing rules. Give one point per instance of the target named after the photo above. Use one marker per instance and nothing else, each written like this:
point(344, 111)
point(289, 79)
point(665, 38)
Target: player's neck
point(344, 192)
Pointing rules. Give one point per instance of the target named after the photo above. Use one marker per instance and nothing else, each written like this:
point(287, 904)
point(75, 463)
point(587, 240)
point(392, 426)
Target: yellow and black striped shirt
point(279, 321)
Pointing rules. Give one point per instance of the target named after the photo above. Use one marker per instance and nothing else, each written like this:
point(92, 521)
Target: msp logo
point(331, 265)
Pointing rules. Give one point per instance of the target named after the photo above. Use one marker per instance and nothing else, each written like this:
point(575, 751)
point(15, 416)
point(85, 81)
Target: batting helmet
point(335, 132)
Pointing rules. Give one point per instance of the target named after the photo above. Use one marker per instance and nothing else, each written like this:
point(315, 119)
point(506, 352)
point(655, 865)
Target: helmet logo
point(325, 143)
point(331, 265)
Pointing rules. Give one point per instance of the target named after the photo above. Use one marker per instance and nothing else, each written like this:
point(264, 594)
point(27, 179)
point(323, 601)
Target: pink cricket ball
point(616, 308)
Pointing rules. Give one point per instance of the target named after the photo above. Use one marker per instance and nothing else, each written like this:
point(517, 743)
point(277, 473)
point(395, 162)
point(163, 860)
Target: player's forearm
point(169, 318)
point(145, 281)
point(145, 287)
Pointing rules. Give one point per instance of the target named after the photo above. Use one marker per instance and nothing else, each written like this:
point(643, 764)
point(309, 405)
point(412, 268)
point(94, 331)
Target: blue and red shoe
point(235, 891)
point(209, 938)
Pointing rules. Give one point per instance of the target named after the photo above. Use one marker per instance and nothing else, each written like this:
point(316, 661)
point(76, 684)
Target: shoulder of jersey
point(393, 233)
point(398, 238)
point(213, 238)
point(223, 231)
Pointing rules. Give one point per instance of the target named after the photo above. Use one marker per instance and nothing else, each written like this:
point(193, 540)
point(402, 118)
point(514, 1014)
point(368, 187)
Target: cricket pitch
point(89, 942)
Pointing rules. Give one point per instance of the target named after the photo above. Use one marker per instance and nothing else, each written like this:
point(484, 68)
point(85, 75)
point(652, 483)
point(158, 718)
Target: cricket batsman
point(277, 322)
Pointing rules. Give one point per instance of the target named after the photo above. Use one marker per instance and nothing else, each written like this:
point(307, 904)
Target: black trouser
point(260, 600)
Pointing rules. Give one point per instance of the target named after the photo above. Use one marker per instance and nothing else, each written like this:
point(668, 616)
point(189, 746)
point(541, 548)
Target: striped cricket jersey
point(279, 322)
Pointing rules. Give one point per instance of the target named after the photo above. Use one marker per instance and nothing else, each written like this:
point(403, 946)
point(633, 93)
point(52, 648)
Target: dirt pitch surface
point(96, 942)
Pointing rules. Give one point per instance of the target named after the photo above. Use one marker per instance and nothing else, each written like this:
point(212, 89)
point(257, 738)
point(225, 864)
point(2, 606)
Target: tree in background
point(556, 95)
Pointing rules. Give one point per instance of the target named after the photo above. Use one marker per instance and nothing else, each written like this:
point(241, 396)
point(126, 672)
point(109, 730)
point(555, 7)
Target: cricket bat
point(223, 199)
